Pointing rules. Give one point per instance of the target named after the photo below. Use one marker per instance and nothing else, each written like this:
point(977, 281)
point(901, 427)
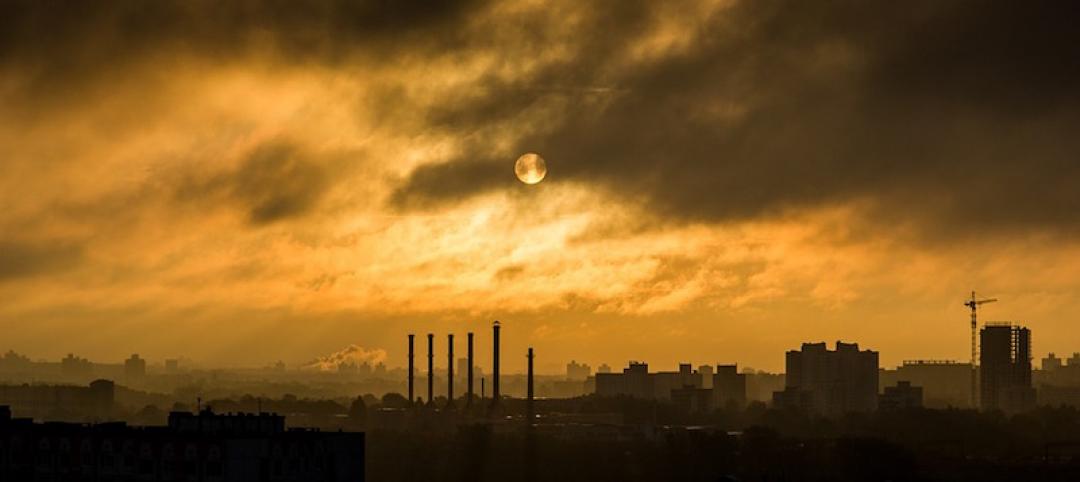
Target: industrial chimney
point(529, 401)
point(411, 399)
point(469, 387)
point(430, 368)
point(495, 365)
point(450, 369)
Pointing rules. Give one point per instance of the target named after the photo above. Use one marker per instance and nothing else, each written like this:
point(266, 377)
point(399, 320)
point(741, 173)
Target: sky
point(245, 182)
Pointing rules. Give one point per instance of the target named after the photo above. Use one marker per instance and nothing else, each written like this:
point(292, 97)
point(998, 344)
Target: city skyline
point(724, 178)
point(539, 240)
point(356, 357)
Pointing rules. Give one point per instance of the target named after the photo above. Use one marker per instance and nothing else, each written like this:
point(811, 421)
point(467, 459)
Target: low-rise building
point(61, 402)
point(945, 383)
point(902, 396)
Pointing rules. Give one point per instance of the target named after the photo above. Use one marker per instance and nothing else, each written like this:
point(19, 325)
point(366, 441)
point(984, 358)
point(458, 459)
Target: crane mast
point(974, 303)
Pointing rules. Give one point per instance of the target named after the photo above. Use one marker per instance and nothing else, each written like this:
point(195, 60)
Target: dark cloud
point(60, 31)
point(65, 50)
point(276, 184)
point(956, 116)
point(509, 272)
point(436, 181)
point(25, 259)
point(277, 180)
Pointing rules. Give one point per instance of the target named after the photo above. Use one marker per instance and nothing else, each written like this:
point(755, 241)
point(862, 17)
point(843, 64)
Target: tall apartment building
point(830, 382)
point(577, 371)
point(729, 386)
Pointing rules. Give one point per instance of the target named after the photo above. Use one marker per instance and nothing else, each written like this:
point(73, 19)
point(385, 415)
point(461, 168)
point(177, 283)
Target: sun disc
point(530, 168)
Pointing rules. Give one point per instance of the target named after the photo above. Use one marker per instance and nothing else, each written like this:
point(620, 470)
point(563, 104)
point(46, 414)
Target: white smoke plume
point(350, 355)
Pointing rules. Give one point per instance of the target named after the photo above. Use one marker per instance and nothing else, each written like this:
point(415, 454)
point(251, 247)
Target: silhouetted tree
point(395, 400)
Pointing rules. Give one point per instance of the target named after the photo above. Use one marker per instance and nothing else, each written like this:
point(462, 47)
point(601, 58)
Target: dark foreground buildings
point(193, 447)
point(61, 402)
point(1005, 368)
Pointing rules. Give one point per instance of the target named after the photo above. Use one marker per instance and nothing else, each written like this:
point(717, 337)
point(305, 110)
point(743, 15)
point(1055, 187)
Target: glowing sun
point(530, 168)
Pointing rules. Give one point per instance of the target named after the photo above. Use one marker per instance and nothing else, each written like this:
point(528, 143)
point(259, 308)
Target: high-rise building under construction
point(1005, 368)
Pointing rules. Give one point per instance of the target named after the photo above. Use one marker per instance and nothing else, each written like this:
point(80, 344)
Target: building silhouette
point(60, 402)
point(462, 368)
point(72, 366)
point(172, 366)
point(693, 399)
point(1058, 383)
point(204, 446)
point(1005, 368)
point(134, 367)
point(944, 382)
point(706, 372)
point(577, 371)
point(729, 387)
point(902, 396)
point(685, 387)
point(664, 382)
point(1051, 363)
point(1058, 371)
point(830, 382)
point(634, 381)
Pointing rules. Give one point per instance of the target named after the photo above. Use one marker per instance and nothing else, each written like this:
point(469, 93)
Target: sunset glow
point(322, 190)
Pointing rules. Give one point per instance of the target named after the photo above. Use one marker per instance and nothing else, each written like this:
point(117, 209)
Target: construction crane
point(974, 303)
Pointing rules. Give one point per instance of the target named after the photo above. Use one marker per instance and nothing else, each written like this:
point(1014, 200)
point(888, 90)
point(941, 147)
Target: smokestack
point(529, 402)
point(411, 399)
point(468, 401)
point(495, 365)
point(430, 368)
point(530, 417)
point(450, 369)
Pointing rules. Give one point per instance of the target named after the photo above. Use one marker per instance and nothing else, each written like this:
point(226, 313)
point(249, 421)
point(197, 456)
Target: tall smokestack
point(469, 387)
point(411, 399)
point(495, 365)
point(529, 401)
point(450, 369)
point(530, 418)
point(430, 367)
